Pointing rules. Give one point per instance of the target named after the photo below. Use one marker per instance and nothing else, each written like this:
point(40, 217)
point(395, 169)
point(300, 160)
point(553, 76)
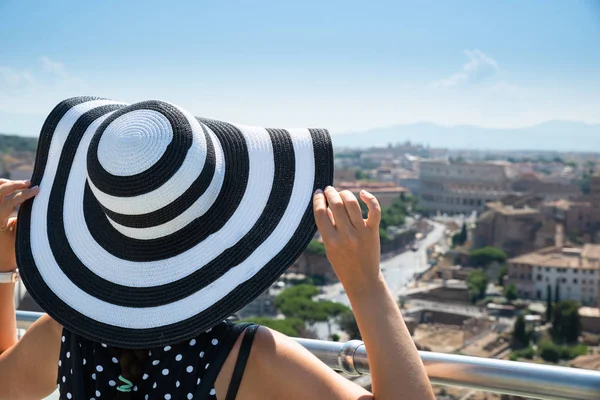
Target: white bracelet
point(9, 277)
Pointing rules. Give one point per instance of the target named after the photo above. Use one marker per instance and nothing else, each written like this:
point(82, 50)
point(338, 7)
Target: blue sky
point(344, 65)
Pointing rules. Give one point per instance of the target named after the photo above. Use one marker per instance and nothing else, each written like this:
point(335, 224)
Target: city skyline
point(348, 66)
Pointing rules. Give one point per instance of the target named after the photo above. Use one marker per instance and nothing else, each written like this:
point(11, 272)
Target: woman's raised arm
point(280, 368)
point(28, 367)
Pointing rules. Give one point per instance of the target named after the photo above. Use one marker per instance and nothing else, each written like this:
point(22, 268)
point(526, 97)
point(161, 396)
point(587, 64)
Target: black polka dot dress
point(90, 371)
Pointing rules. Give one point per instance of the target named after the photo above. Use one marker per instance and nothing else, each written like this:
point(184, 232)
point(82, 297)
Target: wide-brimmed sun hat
point(152, 225)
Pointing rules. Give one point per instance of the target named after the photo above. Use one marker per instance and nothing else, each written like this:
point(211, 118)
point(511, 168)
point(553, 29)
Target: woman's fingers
point(13, 193)
point(21, 196)
point(374, 216)
point(352, 208)
point(9, 187)
point(336, 204)
point(324, 222)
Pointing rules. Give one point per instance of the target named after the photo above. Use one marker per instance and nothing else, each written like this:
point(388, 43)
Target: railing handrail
point(499, 376)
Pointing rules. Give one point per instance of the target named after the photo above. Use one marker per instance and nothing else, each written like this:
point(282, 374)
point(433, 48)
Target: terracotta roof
point(561, 258)
point(587, 362)
point(591, 251)
point(547, 260)
point(529, 176)
point(509, 210)
point(373, 187)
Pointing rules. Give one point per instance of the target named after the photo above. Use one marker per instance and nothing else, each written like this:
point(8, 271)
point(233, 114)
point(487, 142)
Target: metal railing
point(499, 376)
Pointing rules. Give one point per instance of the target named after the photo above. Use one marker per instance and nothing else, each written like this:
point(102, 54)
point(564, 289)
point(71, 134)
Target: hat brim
point(114, 278)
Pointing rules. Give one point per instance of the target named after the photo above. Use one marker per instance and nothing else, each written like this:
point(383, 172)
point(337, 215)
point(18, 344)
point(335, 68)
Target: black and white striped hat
point(152, 225)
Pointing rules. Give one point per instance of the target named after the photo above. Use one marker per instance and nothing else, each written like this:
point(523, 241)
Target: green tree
point(15, 144)
point(503, 272)
point(527, 352)
point(297, 302)
point(520, 333)
point(456, 240)
point(486, 255)
point(360, 175)
point(511, 293)
point(584, 182)
point(477, 282)
point(557, 292)
point(463, 233)
point(348, 324)
point(549, 351)
point(316, 247)
point(335, 337)
point(566, 322)
point(548, 303)
point(401, 301)
point(293, 327)
point(459, 238)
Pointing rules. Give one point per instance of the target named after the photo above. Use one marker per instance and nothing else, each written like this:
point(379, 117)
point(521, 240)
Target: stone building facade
point(453, 188)
point(517, 227)
point(575, 270)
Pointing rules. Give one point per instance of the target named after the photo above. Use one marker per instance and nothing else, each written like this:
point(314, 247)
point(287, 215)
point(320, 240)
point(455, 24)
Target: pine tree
point(548, 303)
point(519, 333)
point(557, 293)
point(463, 233)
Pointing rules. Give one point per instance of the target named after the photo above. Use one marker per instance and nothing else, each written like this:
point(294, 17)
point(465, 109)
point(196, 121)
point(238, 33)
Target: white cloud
point(479, 68)
point(54, 67)
point(12, 77)
point(34, 90)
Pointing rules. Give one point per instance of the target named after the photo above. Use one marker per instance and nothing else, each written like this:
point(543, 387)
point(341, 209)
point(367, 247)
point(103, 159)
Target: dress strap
point(240, 365)
point(210, 377)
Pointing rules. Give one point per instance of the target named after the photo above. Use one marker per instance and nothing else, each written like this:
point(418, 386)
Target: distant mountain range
point(552, 136)
point(549, 136)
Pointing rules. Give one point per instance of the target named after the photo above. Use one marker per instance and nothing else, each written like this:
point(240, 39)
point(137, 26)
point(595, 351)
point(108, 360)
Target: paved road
point(398, 270)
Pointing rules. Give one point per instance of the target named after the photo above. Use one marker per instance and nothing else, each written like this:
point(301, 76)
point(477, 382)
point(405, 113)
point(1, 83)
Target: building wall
point(344, 175)
point(590, 324)
point(581, 285)
point(385, 198)
point(313, 264)
point(521, 276)
point(412, 184)
point(577, 217)
point(548, 190)
point(461, 188)
point(263, 305)
point(515, 234)
point(595, 198)
point(576, 284)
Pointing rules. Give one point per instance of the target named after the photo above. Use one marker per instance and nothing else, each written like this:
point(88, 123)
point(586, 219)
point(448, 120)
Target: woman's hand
point(12, 193)
point(351, 242)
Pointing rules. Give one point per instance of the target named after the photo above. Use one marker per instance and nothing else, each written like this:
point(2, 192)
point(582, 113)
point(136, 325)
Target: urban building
point(516, 225)
point(574, 270)
point(386, 192)
point(548, 188)
point(594, 198)
point(461, 187)
point(314, 265)
point(21, 171)
point(576, 216)
point(262, 306)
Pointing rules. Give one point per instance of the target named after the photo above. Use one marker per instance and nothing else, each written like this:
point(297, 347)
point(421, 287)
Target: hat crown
point(143, 157)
